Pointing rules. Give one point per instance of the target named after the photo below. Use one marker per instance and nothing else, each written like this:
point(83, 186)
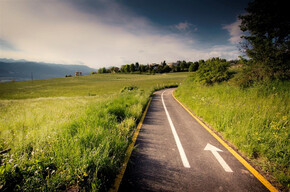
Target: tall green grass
point(72, 142)
point(255, 120)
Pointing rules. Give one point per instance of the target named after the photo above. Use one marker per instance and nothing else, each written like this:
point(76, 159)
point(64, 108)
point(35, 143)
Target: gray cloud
point(5, 45)
point(183, 26)
point(234, 31)
point(67, 32)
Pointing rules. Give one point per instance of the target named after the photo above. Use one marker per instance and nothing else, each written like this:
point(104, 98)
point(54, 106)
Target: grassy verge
point(60, 143)
point(255, 120)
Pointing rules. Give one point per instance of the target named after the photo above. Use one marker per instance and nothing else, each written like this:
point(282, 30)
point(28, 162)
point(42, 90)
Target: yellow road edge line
point(264, 181)
point(119, 177)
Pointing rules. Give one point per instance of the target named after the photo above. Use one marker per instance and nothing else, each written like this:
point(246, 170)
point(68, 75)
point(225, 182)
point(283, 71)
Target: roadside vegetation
point(71, 134)
point(247, 102)
point(255, 120)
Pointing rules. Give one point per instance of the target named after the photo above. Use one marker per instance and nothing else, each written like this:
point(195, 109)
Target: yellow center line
point(264, 181)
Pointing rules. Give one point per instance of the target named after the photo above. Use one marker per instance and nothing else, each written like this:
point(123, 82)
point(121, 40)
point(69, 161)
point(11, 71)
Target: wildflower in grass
point(274, 125)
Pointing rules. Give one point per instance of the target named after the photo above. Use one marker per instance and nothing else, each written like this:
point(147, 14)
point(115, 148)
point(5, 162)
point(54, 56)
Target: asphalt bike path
point(175, 153)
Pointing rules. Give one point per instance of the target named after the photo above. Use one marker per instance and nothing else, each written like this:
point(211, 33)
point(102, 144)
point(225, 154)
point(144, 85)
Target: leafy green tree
point(188, 64)
point(142, 68)
point(193, 66)
point(160, 69)
point(201, 62)
point(151, 68)
point(137, 66)
point(163, 63)
point(242, 60)
point(213, 70)
point(166, 69)
point(132, 67)
point(178, 69)
point(267, 24)
point(182, 65)
point(173, 68)
point(123, 68)
point(102, 70)
point(147, 68)
point(127, 68)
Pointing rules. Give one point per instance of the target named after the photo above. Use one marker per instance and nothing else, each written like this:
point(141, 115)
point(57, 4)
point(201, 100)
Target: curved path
point(175, 153)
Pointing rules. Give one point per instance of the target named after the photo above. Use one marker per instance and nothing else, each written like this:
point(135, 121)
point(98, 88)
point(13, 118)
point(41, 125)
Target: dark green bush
point(129, 88)
point(257, 73)
point(213, 70)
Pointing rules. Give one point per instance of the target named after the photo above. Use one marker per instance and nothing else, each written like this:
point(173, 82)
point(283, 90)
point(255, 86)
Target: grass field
point(100, 85)
point(71, 133)
point(255, 120)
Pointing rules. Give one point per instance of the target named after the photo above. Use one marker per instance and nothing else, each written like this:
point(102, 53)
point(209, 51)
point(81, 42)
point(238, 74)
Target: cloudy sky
point(101, 33)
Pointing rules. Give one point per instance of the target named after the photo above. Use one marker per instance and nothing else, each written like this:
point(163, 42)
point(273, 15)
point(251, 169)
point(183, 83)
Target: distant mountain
point(22, 70)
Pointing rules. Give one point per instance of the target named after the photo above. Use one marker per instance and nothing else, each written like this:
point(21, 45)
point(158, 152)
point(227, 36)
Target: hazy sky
point(101, 33)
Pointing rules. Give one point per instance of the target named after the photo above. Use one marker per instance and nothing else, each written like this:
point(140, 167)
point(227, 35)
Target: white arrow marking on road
point(214, 151)
point(178, 143)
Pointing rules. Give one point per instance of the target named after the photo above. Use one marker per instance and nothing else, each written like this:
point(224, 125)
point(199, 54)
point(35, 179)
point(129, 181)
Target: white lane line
point(178, 143)
point(214, 151)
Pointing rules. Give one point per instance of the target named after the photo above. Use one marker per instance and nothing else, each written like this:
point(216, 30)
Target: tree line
point(163, 67)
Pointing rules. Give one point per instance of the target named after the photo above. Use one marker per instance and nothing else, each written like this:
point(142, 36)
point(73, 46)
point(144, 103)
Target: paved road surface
point(175, 153)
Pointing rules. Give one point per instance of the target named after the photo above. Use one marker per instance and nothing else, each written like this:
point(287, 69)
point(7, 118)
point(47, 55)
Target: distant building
point(78, 73)
point(172, 64)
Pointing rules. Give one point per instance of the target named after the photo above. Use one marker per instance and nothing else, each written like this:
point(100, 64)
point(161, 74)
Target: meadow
point(255, 120)
point(71, 133)
point(92, 85)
